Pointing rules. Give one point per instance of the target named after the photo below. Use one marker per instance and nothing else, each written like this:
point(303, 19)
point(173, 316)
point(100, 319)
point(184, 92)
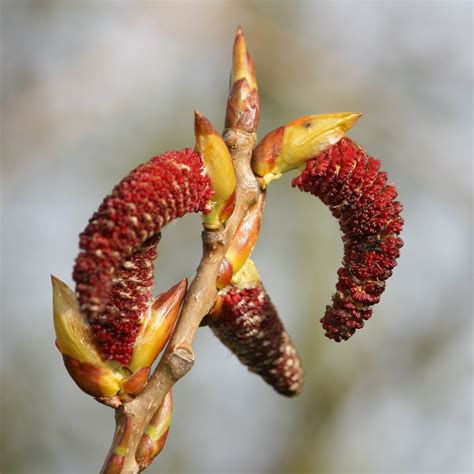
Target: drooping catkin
point(250, 327)
point(347, 180)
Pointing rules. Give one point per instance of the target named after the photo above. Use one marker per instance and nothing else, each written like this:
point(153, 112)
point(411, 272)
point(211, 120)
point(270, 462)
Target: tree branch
point(178, 358)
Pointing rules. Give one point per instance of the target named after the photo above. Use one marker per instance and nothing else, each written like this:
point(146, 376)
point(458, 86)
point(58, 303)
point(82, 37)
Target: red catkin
point(114, 270)
point(249, 326)
point(347, 180)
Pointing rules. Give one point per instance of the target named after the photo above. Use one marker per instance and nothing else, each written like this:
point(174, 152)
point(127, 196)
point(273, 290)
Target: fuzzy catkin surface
point(249, 326)
point(350, 182)
point(114, 269)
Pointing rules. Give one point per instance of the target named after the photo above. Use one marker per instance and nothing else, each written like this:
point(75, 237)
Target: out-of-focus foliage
point(91, 89)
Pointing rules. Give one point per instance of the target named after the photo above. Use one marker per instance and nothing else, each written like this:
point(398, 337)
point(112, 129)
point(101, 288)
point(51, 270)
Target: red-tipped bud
point(157, 326)
point(347, 180)
point(243, 102)
point(290, 146)
point(219, 168)
point(156, 433)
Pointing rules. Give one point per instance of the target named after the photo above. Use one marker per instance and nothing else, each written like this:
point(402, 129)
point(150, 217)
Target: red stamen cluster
point(116, 328)
point(248, 324)
point(114, 270)
point(346, 179)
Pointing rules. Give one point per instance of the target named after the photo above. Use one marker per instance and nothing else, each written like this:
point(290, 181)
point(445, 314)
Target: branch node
point(239, 140)
point(213, 239)
point(181, 361)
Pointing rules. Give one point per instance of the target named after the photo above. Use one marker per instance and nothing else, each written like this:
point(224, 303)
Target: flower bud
point(290, 146)
point(219, 168)
point(243, 102)
point(154, 439)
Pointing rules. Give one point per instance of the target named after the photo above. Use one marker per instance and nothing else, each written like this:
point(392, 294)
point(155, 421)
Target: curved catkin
point(347, 180)
point(249, 326)
point(114, 270)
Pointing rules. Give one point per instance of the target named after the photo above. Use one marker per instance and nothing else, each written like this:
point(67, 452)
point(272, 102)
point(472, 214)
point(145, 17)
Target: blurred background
point(92, 89)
